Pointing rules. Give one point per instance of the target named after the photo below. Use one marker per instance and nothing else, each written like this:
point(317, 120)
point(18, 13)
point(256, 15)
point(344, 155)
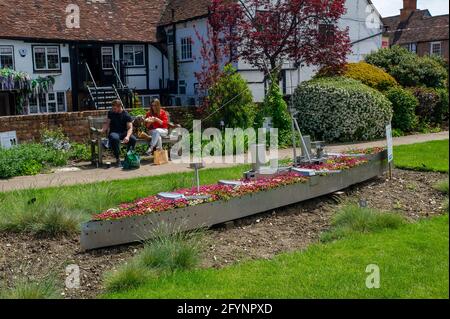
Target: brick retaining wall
point(74, 124)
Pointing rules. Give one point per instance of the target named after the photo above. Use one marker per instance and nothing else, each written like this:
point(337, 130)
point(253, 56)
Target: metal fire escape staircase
point(102, 96)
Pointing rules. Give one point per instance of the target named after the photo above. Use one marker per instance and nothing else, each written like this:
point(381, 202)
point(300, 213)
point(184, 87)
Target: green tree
point(231, 100)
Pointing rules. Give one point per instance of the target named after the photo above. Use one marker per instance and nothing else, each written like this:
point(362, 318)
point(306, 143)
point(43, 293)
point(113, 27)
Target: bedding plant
point(155, 204)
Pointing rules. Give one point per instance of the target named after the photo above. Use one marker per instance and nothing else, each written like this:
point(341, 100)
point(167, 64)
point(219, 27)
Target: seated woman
point(157, 121)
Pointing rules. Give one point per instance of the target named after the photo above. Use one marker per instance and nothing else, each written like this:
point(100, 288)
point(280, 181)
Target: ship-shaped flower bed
point(218, 203)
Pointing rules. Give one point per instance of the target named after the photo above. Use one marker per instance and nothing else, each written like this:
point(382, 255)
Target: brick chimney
point(409, 6)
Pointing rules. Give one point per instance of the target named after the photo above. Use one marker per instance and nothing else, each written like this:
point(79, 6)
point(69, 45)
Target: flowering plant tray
point(131, 222)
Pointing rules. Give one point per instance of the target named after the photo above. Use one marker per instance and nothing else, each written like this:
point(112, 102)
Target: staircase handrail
point(117, 76)
point(90, 74)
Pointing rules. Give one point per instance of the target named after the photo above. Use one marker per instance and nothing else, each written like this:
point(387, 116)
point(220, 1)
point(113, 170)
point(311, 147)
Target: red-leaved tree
point(267, 33)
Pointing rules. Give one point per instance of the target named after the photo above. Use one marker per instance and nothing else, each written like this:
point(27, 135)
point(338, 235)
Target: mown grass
point(413, 262)
point(428, 156)
point(55, 211)
point(352, 219)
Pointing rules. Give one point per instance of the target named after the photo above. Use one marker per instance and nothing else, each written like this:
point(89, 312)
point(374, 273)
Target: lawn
point(428, 156)
point(413, 263)
point(93, 198)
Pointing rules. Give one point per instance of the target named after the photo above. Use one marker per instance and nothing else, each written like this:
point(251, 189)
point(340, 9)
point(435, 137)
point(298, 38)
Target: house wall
point(25, 63)
point(137, 77)
point(361, 18)
point(424, 48)
point(187, 68)
point(363, 22)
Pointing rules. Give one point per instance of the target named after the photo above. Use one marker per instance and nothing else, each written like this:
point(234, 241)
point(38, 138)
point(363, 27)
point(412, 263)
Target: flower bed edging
point(98, 234)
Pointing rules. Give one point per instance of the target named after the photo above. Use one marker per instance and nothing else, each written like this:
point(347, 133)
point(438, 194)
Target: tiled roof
point(183, 10)
point(101, 20)
point(420, 27)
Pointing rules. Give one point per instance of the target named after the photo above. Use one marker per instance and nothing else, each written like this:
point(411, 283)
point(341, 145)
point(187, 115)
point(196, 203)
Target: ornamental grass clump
point(352, 219)
point(171, 250)
point(442, 186)
point(129, 276)
point(51, 220)
point(341, 109)
point(27, 289)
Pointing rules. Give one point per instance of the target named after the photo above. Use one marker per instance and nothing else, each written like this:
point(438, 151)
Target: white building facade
point(365, 31)
point(156, 55)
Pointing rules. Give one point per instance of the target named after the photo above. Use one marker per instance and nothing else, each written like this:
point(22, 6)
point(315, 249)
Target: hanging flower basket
point(24, 85)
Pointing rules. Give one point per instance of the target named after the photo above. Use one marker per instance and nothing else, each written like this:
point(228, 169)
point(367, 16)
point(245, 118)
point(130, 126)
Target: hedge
point(370, 75)
point(408, 68)
point(404, 105)
point(341, 109)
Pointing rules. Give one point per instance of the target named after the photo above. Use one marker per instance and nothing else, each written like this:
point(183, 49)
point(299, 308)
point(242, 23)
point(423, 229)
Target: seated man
point(120, 128)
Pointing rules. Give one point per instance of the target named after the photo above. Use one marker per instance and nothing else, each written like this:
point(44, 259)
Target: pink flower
point(216, 192)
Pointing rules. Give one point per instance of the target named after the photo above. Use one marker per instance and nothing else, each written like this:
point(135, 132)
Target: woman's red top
point(162, 116)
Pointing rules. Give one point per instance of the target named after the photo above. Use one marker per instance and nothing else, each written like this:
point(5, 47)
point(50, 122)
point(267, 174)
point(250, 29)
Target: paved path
point(100, 174)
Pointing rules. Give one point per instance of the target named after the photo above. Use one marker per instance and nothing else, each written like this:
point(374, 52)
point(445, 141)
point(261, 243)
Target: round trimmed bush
point(370, 75)
point(341, 109)
point(404, 105)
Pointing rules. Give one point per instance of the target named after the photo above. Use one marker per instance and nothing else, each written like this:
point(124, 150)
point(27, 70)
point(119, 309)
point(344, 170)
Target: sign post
point(390, 148)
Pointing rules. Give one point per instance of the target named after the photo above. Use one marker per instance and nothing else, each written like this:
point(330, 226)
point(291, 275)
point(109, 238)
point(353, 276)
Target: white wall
point(187, 69)
point(363, 21)
point(25, 64)
point(156, 67)
point(359, 12)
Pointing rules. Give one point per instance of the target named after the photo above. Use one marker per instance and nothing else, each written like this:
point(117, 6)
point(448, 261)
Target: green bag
point(132, 160)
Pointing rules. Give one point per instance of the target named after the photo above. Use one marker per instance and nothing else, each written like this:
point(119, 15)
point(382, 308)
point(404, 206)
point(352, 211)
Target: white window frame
point(126, 48)
point(432, 44)
point(111, 54)
point(47, 101)
point(186, 49)
point(12, 55)
point(182, 83)
point(46, 48)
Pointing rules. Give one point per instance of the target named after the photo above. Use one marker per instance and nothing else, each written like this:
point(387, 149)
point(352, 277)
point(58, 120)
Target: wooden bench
point(96, 139)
